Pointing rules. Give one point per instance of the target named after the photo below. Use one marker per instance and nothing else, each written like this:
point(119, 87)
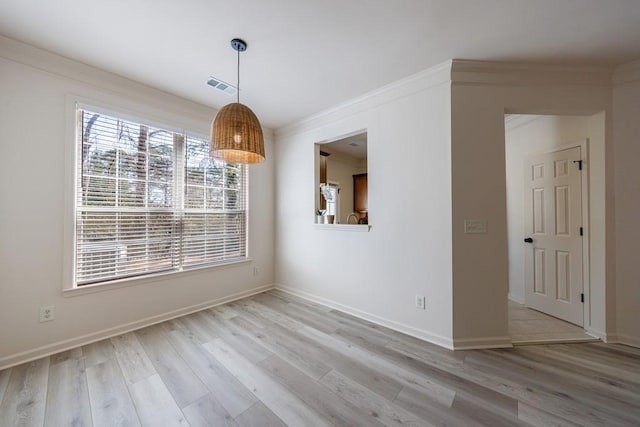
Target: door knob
point(528, 240)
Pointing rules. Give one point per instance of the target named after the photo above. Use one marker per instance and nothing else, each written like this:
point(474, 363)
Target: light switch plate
point(475, 226)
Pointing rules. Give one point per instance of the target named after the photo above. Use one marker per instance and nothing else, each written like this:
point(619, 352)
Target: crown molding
point(465, 71)
point(69, 69)
point(407, 86)
point(627, 73)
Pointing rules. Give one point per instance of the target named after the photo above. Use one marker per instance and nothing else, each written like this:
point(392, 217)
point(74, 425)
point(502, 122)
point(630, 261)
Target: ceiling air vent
point(222, 86)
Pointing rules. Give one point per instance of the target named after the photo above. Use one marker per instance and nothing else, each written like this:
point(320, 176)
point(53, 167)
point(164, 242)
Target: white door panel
point(553, 218)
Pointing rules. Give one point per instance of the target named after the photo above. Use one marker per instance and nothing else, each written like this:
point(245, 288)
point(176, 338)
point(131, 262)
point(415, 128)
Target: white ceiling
point(352, 146)
point(305, 56)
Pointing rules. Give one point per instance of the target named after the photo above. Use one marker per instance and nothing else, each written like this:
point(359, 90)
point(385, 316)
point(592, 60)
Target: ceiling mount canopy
point(236, 134)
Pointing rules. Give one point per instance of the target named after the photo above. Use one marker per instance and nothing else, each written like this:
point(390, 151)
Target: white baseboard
point(603, 336)
point(482, 343)
point(47, 350)
point(396, 326)
point(516, 299)
point(623, 339)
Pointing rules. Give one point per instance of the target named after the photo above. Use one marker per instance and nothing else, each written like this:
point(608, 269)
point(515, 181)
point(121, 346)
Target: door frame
point(583, 144)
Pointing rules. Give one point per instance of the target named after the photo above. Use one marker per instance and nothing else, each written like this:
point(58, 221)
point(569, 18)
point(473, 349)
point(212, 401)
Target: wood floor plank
point(154, 404)
point(111, 403)
point(604, 390)
point(68, 399)
point(134, 362)
point(616, 352)
point(377, 357)
point(255, 321)
point(338, 410)
point(237, 337)
point(453, 374)
point(259, 416)
point(598, 380)
point(302, 357)
point(195, 323)
point(207, 411)
point(538, 417)
point(430, 411)
point(428, 353)
point(616, 348)
point(325, 349)
point(556, 389)
point(182, 382)
point(281, 401)
point(307, 304)
point(74, 353)
point(270, 315)
point(624, 368)
point(24, 400)
point(382, 409)
point(225, 311)
point(226, 388)
point(377, 365)
point(610, 370)
point(476, 409)
point(306, 317)
point(538, 395)
point(373, 329)
point(98, 352)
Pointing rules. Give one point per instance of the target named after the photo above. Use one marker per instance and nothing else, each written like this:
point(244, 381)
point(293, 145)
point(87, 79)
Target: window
point(151, 200)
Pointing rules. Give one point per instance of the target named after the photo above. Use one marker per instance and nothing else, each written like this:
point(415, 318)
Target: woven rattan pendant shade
point(236, 135)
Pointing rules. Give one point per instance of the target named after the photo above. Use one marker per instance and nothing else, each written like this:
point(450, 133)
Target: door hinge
point(581, 231)
point(579, 162)
point(581, 297)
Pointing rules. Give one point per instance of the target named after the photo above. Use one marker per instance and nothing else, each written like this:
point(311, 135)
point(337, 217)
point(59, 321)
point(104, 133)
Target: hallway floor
point(527, 326)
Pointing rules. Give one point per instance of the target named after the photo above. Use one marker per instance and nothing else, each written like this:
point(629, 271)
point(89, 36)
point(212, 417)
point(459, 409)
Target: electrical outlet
point(256, 271)
point(420, 301)
point(48, 313)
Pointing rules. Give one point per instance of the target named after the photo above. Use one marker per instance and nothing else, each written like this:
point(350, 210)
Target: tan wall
point(626, 120)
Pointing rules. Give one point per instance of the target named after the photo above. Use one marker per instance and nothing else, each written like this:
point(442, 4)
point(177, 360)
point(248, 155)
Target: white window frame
point(127, 110)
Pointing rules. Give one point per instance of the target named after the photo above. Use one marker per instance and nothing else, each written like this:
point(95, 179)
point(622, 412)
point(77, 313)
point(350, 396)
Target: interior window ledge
point(365, 228)
point(148, 278)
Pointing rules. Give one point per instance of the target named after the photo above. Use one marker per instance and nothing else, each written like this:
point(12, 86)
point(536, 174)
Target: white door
point(553, 226)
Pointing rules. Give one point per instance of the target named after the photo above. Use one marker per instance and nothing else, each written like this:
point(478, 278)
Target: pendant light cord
point(238, 77)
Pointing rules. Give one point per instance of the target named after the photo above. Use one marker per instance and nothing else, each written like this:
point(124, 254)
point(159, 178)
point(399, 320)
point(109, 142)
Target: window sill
point(141, 280)
point(343, 227)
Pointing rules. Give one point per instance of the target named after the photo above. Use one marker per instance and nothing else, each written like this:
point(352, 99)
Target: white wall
point(481, 94)
point(529, 135)
point(377, 274)
point(626, 120)
point(34, 90)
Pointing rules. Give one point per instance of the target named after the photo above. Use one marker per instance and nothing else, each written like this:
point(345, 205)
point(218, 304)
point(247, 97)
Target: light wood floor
point(527, 326)
point(273, 360)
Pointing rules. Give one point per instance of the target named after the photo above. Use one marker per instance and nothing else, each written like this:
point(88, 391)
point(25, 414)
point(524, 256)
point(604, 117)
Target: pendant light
point(236, 134)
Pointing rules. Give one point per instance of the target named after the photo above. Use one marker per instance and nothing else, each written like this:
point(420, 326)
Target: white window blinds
point(151, 200)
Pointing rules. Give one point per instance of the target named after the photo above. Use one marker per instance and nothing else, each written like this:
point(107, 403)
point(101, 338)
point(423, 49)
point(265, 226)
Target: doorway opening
point(549, 163)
